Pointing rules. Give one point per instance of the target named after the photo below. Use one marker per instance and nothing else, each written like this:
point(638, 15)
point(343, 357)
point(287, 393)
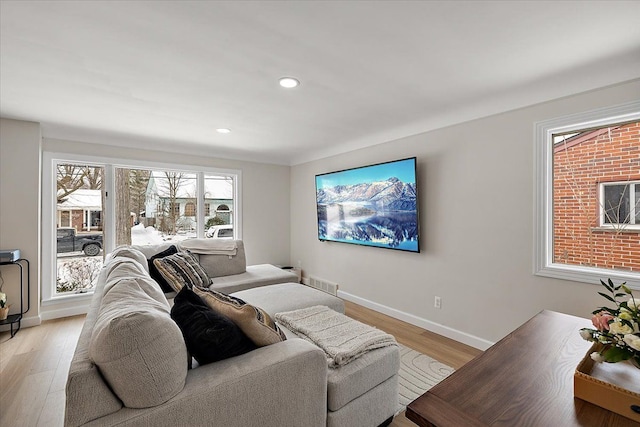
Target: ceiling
point(165, 75)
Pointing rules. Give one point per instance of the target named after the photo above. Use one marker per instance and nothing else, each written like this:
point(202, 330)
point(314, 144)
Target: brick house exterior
point(580, 164)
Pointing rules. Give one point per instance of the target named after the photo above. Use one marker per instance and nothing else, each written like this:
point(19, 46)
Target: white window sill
point(605, 229)
point(70, 298)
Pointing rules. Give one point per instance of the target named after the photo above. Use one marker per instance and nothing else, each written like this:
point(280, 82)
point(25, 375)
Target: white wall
point(475, 183)
point(20, 209)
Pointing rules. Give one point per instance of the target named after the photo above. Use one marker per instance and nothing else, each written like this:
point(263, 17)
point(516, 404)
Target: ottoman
point(362, 393)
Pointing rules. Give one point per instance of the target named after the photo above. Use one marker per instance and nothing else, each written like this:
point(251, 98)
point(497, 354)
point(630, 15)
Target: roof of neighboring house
point(82, 199)
point(578, 138)
point(215, 187)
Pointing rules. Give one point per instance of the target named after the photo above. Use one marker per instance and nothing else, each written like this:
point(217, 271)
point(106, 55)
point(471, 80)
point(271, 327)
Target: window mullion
point(632, 202)
point(200, 204)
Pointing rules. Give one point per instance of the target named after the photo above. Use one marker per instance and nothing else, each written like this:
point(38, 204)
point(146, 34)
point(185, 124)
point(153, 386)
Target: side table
point(17, 317)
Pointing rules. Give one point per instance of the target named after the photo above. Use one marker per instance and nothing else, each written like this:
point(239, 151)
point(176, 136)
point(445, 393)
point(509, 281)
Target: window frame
point(49, 161)
point(543, 193)
point(633, 206)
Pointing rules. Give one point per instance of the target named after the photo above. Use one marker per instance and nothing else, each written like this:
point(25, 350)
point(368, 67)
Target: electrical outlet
point(437, 302)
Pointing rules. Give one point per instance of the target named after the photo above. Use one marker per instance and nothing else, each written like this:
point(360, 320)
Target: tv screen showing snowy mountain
point(373, 205)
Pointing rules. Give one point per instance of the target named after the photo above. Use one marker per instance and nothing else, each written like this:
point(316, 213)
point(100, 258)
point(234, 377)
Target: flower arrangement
point(616, 329)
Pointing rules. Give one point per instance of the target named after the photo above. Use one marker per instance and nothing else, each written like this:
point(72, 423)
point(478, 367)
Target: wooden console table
point(526, 379)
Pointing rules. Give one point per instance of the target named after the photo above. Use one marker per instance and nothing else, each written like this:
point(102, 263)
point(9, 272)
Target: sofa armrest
point(284, 384)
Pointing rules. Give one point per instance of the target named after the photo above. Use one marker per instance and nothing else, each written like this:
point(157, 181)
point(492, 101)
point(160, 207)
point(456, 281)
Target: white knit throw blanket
point(342, 338)
point(209, 246)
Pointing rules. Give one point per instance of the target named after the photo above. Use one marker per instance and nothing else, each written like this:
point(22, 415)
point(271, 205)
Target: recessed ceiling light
point(289, 82)
point(223, 130)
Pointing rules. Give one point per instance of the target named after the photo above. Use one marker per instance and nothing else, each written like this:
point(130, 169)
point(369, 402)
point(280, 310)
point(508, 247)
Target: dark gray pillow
point(209, 336)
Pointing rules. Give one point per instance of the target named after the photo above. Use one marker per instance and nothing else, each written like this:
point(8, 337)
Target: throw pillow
point(209, 336)
point(254, 321)
point(182, 269)
point(153, 270)
point(138, 349)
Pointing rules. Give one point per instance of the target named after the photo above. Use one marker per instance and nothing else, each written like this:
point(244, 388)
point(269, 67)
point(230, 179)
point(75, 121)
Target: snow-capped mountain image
point(389, 195)
point(379, 213)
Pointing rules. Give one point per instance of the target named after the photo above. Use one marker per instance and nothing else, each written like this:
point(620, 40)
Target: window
point(190, 209)
point(135, 203)
point(79, 237)
point(587, 181)
point(620, 206)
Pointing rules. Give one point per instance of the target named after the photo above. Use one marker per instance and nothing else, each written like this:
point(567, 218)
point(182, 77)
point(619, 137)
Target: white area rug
point(418, 373)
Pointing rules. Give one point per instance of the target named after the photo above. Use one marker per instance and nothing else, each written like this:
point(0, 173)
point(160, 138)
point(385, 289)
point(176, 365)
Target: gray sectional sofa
point(130, 365)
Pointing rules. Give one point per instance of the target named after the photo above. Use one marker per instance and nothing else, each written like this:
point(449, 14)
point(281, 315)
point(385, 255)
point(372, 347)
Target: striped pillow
point(181, 269)
point(253, 321)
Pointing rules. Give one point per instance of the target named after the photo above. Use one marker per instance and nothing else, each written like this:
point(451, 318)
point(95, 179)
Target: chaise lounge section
point(228, 272)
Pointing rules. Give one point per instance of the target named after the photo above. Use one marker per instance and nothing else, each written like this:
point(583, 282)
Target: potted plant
point(4, 307)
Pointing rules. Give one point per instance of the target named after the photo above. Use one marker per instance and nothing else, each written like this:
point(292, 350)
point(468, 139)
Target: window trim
point(543, 264)
point(48, 220)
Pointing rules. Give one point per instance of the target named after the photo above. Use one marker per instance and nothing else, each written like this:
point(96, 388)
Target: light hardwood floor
point(34, 364)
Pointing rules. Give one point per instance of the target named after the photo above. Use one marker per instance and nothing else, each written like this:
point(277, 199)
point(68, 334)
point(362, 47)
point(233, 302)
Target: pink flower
point(601, 320)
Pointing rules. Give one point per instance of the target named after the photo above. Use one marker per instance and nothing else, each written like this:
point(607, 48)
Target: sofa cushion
point(153, 270)
point(137, 347)
point(121, 268)
point(270, 298)
point(254, 321)
point(182, 269)
point(134, 254)
point(151, 250)
point(255, 276)
point(209, 335)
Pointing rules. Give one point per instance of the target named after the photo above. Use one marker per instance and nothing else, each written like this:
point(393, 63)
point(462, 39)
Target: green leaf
point(606, 296)
point(606, 286)
point(611, 283)
point(615, 354)
point(618, 295)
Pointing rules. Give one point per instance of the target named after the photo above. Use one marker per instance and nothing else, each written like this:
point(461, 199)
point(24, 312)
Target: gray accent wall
point(476, 191)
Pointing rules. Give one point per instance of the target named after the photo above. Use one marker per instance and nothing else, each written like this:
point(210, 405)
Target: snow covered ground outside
point(76, 270)
point(150, 236)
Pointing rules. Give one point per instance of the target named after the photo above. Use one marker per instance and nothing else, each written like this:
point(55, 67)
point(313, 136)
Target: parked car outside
point(220, 232)
point(69, 241)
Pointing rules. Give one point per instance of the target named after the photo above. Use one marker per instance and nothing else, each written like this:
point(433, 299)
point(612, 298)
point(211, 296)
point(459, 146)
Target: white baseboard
point(437, 328)
point(26, 322)
point(64, 312)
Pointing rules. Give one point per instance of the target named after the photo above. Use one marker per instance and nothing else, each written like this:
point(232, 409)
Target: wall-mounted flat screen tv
point(375, 205)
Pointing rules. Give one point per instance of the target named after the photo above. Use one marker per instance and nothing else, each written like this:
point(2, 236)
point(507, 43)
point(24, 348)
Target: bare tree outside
point(69, 178)
point(138, 181)
point(93, 177)
point(123, 221)
point(171, 208)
